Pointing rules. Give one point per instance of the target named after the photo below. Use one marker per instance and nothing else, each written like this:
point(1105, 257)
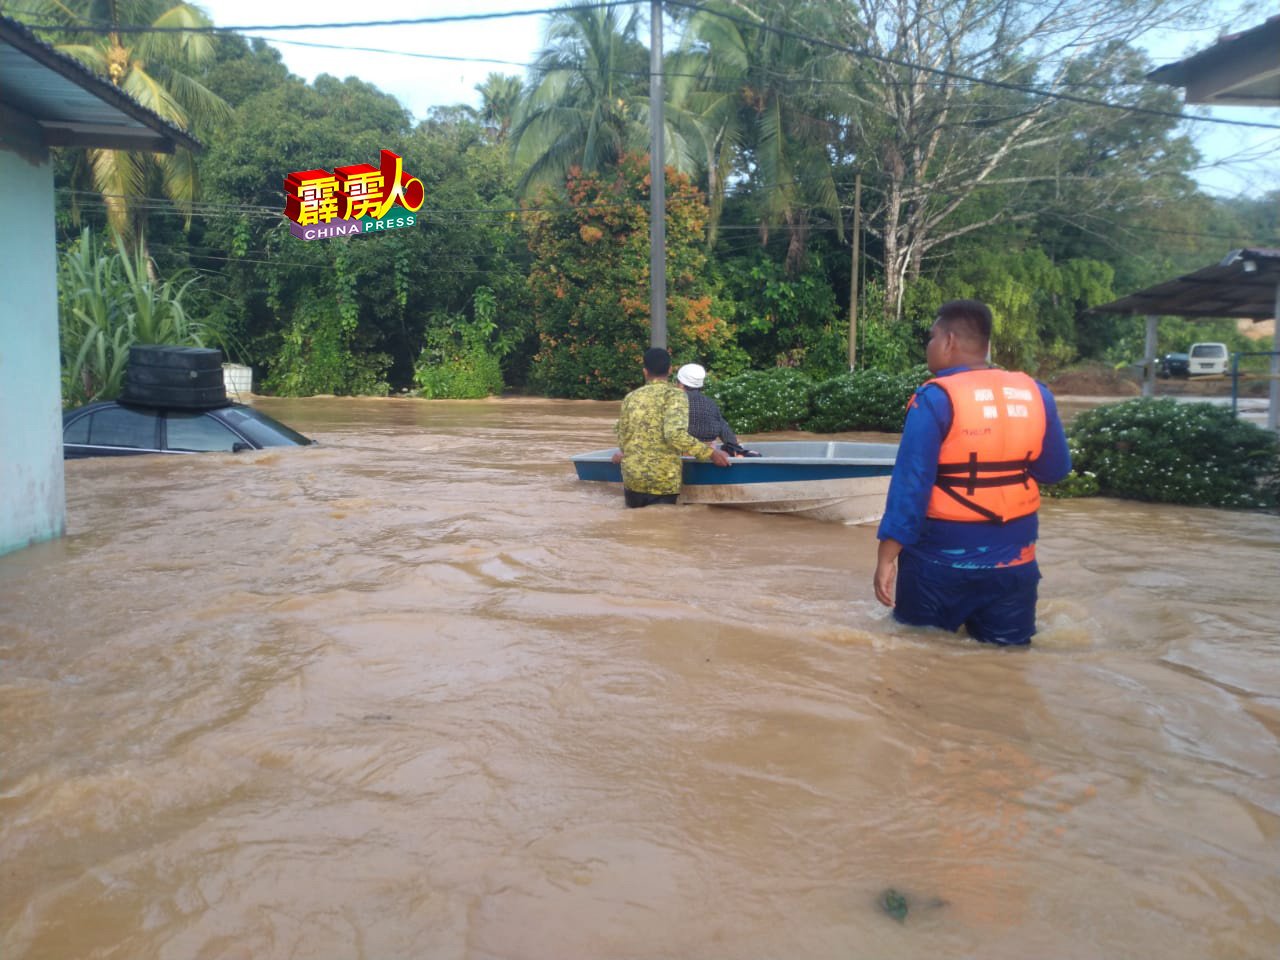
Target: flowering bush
point(864, 400)
point(762, 400)
point(1171, 452)
point(1076, 484)
point(589, 282)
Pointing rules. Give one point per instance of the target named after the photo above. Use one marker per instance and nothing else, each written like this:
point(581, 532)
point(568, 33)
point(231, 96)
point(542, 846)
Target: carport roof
point(1240, 69)
point(1243, 286)
point(71, 106)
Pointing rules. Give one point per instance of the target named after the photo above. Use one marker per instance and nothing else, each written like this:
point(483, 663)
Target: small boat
point(840, 481)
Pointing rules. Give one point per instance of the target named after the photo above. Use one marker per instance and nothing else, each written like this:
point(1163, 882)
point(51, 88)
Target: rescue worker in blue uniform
point(958, 538)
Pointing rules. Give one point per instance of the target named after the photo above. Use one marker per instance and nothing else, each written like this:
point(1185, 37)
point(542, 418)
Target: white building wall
point(32, 491)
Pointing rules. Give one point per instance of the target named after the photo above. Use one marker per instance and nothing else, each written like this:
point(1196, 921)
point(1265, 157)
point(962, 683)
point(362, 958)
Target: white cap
point(692, 375)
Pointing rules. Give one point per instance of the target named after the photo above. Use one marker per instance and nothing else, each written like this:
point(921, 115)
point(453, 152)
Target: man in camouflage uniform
point(653, 432)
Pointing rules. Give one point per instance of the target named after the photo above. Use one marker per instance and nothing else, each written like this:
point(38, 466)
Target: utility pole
point(853, 272)
point(657, 186)
point(1273, 392)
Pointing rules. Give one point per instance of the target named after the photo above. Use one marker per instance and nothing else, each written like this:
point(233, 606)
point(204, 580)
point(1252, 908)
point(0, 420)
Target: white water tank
point(239, 381)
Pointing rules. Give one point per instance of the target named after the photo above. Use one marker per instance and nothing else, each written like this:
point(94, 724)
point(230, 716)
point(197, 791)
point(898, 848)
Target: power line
point(398, 53)
point(954, 75)
point(735, 237)
point(775, 74)
point(481, 216)
point(89, 25)
point(694, 7)
point(209, 208)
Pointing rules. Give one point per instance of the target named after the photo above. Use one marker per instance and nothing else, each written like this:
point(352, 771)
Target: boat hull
point(838, 481)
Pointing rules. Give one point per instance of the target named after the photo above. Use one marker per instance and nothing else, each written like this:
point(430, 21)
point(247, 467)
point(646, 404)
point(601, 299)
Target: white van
point(1207, 358)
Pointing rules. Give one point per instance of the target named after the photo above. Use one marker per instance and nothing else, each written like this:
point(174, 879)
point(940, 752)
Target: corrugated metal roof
point(1242, 286)
point(72, 105)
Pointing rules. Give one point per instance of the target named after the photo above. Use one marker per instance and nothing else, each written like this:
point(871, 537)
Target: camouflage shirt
point(653, 431)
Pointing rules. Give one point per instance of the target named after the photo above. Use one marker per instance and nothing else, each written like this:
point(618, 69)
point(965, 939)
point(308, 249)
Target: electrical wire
point(954, 75)
point(856, 50)
point(132, 28)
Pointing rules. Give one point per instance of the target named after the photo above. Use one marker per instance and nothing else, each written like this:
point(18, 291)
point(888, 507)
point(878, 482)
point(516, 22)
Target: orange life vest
point(997, 430)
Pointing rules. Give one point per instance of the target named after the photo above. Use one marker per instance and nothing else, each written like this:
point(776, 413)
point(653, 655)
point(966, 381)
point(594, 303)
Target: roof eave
point(163, 137)
point(1238, 70)
point(1242, 286)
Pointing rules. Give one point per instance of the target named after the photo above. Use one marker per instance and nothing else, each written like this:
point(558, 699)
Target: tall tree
point(939, 144)
point(157, 70)
point(587, 106)
point(499, 98)
point(764, 101)
point(589, 277)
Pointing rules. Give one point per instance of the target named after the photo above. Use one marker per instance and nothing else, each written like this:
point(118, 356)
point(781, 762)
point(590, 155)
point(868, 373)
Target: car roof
point(155, 408)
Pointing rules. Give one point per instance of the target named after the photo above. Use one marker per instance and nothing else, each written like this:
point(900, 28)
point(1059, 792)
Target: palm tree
point(764, 103)
point(499, 99)
point(152, 68)
point(587, 106)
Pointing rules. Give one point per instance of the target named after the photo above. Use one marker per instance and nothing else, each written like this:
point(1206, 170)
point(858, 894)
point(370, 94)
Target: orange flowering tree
point(589, 283)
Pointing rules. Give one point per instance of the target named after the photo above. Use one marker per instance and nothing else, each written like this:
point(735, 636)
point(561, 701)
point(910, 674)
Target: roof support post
point(1149, 361)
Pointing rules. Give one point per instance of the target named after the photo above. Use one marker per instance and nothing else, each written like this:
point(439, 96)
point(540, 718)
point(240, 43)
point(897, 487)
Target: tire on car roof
point(178, 358)
point(183, 398)
point(187, 378)
point(172, 377)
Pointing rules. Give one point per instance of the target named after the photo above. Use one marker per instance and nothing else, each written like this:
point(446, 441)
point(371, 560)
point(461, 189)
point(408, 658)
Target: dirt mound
point(1213, 387)
point(1095, 380)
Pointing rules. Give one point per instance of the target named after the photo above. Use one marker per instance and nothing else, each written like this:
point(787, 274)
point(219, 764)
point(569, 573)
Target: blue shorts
point(995, 604)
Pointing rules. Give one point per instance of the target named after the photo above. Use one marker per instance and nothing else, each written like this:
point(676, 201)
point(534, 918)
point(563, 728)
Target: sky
point(1238, 160)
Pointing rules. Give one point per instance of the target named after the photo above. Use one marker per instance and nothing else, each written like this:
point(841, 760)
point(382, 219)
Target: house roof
point(70, 105)
point(1244, 285)
point(1241, 69)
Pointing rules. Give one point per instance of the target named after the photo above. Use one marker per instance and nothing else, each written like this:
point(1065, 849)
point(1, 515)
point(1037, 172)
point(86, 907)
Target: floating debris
point(894, 904)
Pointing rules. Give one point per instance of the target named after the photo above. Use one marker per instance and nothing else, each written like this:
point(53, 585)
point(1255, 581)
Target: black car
point(112, 429)
point(1173, 365)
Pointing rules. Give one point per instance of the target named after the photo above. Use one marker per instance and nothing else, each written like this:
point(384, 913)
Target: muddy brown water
point(417, 692)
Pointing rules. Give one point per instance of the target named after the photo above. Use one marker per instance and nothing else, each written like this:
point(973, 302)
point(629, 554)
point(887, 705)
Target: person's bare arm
point(886, 570)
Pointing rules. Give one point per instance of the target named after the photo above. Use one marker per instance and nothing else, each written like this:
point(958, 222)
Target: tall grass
point(106, 304)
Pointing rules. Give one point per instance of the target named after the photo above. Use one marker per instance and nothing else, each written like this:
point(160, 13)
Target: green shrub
point(1171, 452)
point(896, 344)
point(107, 302)
point(322, 352)
point(462, 358)
point(763, 400)
point(464, 376)
point(863, 400)
point(786, 314)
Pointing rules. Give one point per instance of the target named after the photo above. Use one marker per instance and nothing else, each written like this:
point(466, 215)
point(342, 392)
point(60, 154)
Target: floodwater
point(418, 693)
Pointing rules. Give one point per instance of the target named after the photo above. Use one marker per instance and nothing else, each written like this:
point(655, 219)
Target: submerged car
point(113, 429)
point(1173, 365)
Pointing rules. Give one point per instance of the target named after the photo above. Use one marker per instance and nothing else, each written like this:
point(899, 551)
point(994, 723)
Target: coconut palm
point(765, 104)
point(153, 69)
point(499, 99)
point(588, 105)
